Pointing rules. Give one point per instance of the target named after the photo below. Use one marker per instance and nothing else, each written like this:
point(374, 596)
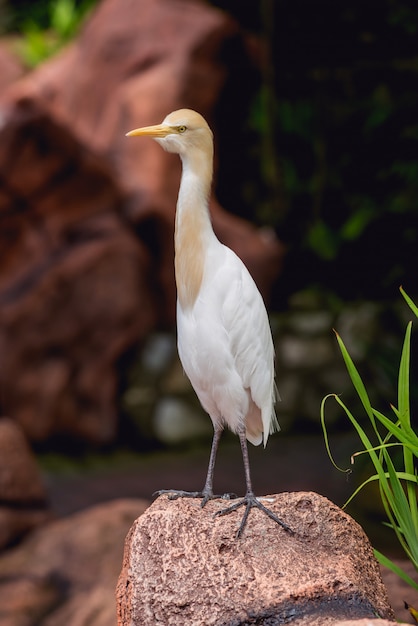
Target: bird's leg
point(249, 501)
point(207, 492)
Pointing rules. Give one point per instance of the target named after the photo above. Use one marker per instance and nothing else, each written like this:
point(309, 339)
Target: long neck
point(193, 231)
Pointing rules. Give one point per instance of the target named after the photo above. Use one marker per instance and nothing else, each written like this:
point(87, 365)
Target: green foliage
point(396, 474)
point(42, 38)
point(322, 241)
point(346, 138)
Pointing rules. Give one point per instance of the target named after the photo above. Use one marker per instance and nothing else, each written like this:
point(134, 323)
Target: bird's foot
point(250, 501)
point(174, 494)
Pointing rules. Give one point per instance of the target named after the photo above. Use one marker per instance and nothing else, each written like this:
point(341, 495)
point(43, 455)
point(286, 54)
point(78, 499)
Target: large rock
point(23, 498)
point(364, 622)
point(182, 566)
point(133, 63)
point(74, 290)
point(65, 573)
point(87, 216)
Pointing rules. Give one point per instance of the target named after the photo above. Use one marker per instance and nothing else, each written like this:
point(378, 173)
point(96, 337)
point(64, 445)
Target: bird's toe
point(250, 501)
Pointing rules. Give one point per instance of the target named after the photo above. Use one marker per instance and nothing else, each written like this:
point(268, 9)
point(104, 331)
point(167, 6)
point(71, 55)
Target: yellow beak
point(150, 131)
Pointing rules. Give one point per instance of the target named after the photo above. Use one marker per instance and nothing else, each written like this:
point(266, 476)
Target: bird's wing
point(245, 320)
point(226, 349)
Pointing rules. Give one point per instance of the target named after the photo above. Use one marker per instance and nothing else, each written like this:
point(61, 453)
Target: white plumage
point(225, 346)
point(224, 338)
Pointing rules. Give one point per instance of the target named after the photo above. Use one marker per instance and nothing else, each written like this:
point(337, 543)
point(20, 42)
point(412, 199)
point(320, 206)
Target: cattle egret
point(224, 338)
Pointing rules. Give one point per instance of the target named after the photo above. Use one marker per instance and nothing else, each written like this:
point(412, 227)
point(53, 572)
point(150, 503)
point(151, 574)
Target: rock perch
point(183, 566)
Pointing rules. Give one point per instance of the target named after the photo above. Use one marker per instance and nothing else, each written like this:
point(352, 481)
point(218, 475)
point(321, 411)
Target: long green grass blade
point(403, 522)
point(366, 443)
point(410, 302)
point(384, 445)
point(326, 438)
point(405, 421)
point(358, 384)
point(403, 379)
point(396, 569)
point(392, 494)
point(374, 478)
point(398, 483)
point(405, 436)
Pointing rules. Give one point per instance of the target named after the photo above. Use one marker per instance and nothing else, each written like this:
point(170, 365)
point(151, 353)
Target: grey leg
point(207, 493)
point(249, 501)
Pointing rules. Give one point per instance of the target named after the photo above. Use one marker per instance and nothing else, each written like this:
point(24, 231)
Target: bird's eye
point(182, 129)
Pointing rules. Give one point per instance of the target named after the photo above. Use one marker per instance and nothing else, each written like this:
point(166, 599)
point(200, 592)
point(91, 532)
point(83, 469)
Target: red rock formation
point(134, 62)
point(86, 237)
point(65, 572)
point(183, 566)
point(73, 281)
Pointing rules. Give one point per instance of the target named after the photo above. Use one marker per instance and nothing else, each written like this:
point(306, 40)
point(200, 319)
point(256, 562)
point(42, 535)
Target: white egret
point(224, 338)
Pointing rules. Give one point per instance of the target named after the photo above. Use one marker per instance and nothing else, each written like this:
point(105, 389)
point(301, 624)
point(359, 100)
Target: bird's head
point(182, 132)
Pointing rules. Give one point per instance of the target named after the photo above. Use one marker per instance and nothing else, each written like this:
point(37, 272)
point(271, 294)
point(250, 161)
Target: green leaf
point(374, 478)
point(403, 380)
point(326, 439)
point(358, 221)
point(411, 304)
point(64, 17)
point(323, 240)
point(405, 436)
point(358, 384)
point(396, 569)
point(397, 485)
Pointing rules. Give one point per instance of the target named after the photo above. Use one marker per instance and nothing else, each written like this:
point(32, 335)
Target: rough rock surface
point(87, 216)
point(23, 499)
point(182, 566)
point(73, 281)
point(65, 572)
point(364, 622)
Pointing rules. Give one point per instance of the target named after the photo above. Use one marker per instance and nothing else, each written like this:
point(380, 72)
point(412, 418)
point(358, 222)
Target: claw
point(250, 501)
